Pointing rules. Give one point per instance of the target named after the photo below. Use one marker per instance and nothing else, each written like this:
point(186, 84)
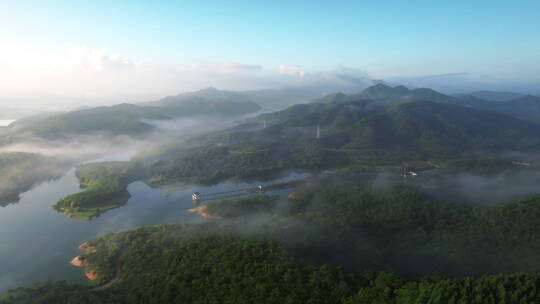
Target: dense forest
point(321, 136)
point(401, 228)
point(383, 224)
point(344, 242)
point(175, 264)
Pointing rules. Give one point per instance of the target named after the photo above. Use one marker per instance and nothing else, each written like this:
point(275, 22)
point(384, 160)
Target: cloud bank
point(85, 76)
point(97, 60)
point(291, 70)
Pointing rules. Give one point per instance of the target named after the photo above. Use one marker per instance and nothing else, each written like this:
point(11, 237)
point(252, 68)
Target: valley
point(373, 195)
point(273, 152)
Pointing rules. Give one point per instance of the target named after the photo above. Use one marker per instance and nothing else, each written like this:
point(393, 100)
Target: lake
point(37, 243)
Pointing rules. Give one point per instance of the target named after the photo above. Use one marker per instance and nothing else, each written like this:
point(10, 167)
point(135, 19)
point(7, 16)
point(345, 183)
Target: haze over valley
point(290, 152)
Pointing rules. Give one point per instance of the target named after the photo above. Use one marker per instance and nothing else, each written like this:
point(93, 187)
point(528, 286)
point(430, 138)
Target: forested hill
point(209, 101)
point(429, 127)
point(492, 95)
point(350, 132)
point(268, 99)
point(402, 93)
point(113, 120)
point(129, 119)
point(526, 107)
point(392, 95)
point(324, 245)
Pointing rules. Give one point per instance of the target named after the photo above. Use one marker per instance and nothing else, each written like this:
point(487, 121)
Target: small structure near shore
point(410, 174)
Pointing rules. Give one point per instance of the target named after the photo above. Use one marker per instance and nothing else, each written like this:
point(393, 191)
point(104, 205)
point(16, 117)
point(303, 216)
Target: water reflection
point(36, 242)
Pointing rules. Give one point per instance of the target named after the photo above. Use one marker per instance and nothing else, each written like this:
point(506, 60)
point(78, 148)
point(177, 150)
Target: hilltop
point(132, 119)
point(350, 132)
point(526, 107)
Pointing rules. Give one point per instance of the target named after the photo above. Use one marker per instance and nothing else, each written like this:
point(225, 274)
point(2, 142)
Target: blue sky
point(390, 39)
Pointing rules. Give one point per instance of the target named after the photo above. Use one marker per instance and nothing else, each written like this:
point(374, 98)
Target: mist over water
point(38, 242)
point(471, 188)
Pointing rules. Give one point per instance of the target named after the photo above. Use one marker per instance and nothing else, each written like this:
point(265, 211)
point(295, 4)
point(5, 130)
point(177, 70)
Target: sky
point(140, 50)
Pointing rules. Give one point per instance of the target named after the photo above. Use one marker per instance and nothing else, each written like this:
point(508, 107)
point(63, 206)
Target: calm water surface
point(37, 243)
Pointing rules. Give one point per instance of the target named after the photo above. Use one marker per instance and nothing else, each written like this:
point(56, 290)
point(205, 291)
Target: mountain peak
point(399, 94)
point(333, 98)
point(209, 89)
point(379, 86)
point(401, 89)
point(382, 91)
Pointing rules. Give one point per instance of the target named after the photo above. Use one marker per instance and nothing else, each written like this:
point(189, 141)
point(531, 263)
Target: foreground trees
point(317, 247)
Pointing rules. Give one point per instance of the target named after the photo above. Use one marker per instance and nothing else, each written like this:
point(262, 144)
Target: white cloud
point(224, 67)
point(235, 66)
point(291, 70)
point(97, 60)
point(88, 76)
point(49, 79)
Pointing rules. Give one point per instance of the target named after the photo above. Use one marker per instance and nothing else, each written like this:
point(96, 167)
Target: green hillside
point(333, 244)
point(401, 93)
point(353, 135)
point(129, 119)
point(113, 120)
point(209, 101)
point(493, 95)
point(350, 133)
point(525, 107)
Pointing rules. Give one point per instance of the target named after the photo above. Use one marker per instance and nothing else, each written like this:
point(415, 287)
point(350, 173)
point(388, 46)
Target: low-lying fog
point(5, 122)
point(91, 147)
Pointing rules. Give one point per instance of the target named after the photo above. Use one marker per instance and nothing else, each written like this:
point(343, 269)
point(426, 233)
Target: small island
point(105, 188)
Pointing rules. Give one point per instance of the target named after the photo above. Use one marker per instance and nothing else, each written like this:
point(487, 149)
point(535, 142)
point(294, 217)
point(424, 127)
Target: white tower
point(318, 131)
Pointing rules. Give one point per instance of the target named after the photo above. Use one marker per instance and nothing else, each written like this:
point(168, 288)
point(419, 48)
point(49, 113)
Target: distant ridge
point(493, 95)
point(391, 95)
point(210, 94)
point(526, 107)
point(331, 135)
point(130, 119)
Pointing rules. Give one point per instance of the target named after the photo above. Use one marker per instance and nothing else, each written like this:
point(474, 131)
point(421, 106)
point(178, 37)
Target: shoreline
point(79, 261)
point(201, 210)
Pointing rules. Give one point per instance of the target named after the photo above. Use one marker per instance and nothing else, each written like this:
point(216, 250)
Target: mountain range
point(132, 119)
point(526, 107)
point(382, 125)
point(492, 95)
point(354, 117)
